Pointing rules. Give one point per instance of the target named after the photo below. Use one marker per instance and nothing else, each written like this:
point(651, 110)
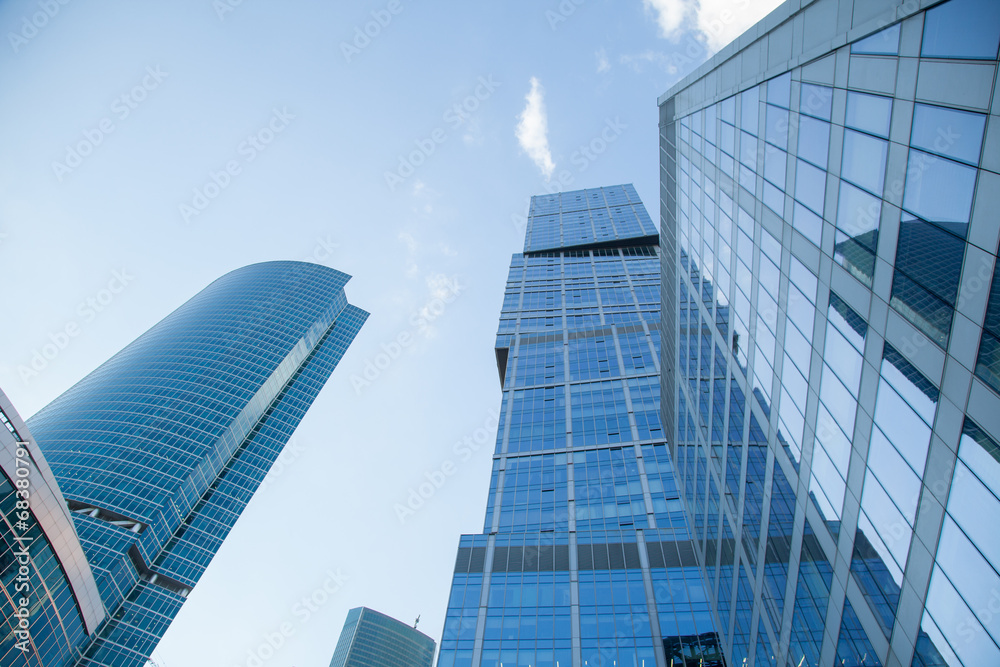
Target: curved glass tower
point(372, 639)
point(49, 602)
point(159, 450)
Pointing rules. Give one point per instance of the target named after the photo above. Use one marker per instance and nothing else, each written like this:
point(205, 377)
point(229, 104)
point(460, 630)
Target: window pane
point(776, 131)
point(884, 42)
point(779, 90)
point(939, 190)
point(814, 140)
point(816, 101)
point(950, 132)
point(870, 113)
point(927, 312)
point(808, 223)
point(774, 165)
point(749, 110)
point(864, 161)
point(899, 423)
point(930, 256)
point(858, 213)
point(962, 29)
point(810, 186)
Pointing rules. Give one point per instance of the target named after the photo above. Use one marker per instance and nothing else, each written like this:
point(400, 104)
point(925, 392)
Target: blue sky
point(148, 148)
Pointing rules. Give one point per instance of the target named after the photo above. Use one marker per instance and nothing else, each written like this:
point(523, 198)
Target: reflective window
point(774, 166)
point(816, 100)
point(869, 113)
point(885, 42)
point(749, 109)
point(727, 110)
point(949, 132)
point(779, 90)
point(931, 257)
point(858, 212)
point(939, 190)
point(814, 140)
point(856, 242)
point(810, 186)
point(808, 223)
point(988, 366)
point(864, 161)
point(776, 130)
point(962, 29)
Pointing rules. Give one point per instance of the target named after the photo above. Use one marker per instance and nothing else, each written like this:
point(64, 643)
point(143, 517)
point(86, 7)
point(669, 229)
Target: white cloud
point(669, 15)
point(715, 22)
point(722, 21)
point(533, 129)
point(602, 61)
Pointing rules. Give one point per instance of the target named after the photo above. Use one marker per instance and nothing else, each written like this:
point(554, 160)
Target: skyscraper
point(830, 225)
point(585, 557)
point(49, 601)
point(372, 639)
point(159, 450)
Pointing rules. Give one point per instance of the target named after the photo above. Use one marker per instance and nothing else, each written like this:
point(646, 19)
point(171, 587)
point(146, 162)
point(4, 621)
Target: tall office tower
point(830, 217)
point(371, 639)
point(159, 450)
point(585, 557)
point(49, 601)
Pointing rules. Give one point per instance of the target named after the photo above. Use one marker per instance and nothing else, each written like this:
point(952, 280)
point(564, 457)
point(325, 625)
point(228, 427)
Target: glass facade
point(159, 450)
point(586, 556)
point(830, 229)
point(371, 639)
point(49, 602)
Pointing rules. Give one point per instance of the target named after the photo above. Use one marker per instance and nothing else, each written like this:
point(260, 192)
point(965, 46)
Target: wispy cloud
point(602, 61)
point(669, 15)
point(715, 23)
point(636, 61)
point(533, 129)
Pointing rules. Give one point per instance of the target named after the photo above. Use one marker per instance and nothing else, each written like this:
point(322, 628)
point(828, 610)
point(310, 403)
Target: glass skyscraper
point(49, 603)
point(372, 639)
point(830, 198)
point(586, 557)
point(159, 450)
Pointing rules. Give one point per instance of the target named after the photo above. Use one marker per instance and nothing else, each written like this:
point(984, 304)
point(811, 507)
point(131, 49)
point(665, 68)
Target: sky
point(148, 148)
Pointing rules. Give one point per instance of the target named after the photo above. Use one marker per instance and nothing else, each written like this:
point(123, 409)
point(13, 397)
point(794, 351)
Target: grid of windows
point(836, 220)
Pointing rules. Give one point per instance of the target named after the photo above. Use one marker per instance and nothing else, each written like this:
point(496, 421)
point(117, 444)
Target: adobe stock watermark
point(433, 480)
point(246, 152)
point(302, 611)
point(30, 25)
point(289, 455)
point(121, 108)
point(365, 34)
point(86, 312)
point(453, 117)
point(562, 12)
point(445, 291)
point(23, 521)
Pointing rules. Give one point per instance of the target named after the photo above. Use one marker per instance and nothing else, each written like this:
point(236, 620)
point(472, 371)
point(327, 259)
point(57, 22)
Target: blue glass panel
point(883, 43)
point(949, 132)
point(962, 29)
point(779, 90)
point(810, 186)
point(869, 113)
point(864, 161)
point(816, 101)
point(814, 140)
point(939, 190)
point(750, 110)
